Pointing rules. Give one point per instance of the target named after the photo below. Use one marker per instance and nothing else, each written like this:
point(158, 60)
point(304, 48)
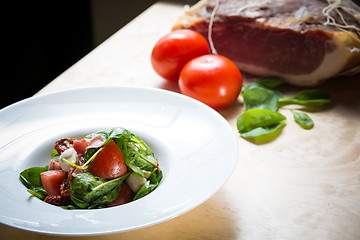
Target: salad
point(103, 169)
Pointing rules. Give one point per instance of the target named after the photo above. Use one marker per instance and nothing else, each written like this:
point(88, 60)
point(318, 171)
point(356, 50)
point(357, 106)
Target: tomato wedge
point(52, 180)
point(109, 162)
point(126, 195)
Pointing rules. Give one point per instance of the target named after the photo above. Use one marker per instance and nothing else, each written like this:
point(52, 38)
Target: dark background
point(41, 39)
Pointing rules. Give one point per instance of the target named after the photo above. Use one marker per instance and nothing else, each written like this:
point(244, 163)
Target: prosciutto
point(304, 41)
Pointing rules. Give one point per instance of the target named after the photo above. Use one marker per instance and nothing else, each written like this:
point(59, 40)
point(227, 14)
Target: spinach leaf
point(264, 126)
point(54, 153)
point(271, 81)
point(260, 94)
point(265, 82)
point(88, 190)
point(261, 98)
point(139, 157)
point(31, 179)
point(150, 185)
point(117, 134)
point(303, 119)
point(310, 97)
point(38, 192)
point(260, 125)
point(113, 133)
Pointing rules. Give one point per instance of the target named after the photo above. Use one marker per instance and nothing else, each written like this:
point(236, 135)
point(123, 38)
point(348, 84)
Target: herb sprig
point(261, 122)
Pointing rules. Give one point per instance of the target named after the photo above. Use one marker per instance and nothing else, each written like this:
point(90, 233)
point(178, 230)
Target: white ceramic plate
point(196, 148)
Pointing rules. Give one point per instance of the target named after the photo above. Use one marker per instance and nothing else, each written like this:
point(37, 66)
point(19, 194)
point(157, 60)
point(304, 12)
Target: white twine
point(212, 16)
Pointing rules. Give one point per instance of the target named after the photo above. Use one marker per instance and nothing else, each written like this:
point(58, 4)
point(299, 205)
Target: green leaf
point(260, 98)
point(31, 177)
point(88, 190)
point(310, 97)
point(271, 81)
point(265, 82)
point(138, 156)
point(117, 134)
point(112, 133)
point(260, 125)
point(54, 153)
point(38, 192)
point(150, 185)
point(303, 119)
point(69, 207)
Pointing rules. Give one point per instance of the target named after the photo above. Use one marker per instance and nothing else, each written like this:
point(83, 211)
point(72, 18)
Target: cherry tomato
point(212, 79)
point(175, 49)
point(126, 195)
point(109, 162)
point(52, 180)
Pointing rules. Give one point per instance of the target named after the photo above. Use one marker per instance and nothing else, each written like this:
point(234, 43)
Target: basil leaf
point(259, 97)
point(102, 133)
point(303, 120)
point(115, 134)
point(139, 157)
point(31, 177)
point(54, 153)
point(149, 186)
point(88, 190)
point(264, 83)
point(260, 125)
point(38, 192)
point(310, 97)
point(144, 190)
point(270, 81)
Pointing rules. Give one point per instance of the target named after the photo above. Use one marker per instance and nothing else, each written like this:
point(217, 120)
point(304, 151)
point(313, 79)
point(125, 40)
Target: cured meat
point(304, 41)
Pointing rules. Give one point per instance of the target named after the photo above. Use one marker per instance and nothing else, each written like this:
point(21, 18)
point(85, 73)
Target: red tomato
point(126, 195)
point(212, 79)
point(52, 180)
point(109, 162)
point(175, 49)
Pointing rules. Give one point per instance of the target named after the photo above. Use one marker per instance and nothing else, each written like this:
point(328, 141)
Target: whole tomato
point(175, 49)
point(212, 79)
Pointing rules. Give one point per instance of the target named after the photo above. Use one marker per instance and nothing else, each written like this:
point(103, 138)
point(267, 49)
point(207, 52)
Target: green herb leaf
point(260, 98)
point(303, 119)
point(138, 155)
point(150, 185)
point(261, 95)
point(260, 125)
point(31, 177)
point(38, 192)
point(54, 153)
point(310, 97)
point(88, 190)
point(270, 81)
